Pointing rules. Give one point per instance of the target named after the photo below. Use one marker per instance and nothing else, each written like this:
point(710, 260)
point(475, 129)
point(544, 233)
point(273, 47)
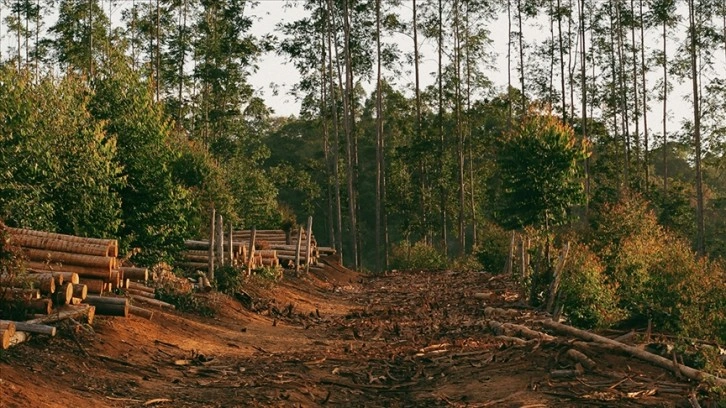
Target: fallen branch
point(659, 361)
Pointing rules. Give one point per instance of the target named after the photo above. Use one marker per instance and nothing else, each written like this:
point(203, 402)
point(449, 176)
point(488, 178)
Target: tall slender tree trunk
point(693, 50)
point(468, 132)
point(90, 37)
point(379, 139)
point(636, 105)
point(521, 57)
point(665, 108)
point(158, 51)
point(336, 126)
point(562, 60)
point(509, 64)
point(419, 134)
point(459, 131)
point(326, 131)
point(182, 57)
point(623, 92)
point(442, 146)
point(583, 79)
point(37, 40)
point(347, 119)
point(646, 146)
point(20, 38)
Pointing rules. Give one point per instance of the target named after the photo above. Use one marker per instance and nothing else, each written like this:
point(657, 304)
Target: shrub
point(417, 256)
point(589, 300)
point(229, 279)
point(493, 247)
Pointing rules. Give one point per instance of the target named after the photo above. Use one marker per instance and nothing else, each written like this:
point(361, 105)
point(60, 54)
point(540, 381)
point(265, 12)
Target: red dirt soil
point(408, 339)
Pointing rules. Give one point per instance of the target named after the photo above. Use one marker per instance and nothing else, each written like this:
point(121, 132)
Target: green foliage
point(60, 172)
point(539, 171)
point(187, 301)
point(417, 256)
point(156, 210)
point(656, 274)
point(493, 247)
point(229, 279)
point(269, 273)
point(588, 298)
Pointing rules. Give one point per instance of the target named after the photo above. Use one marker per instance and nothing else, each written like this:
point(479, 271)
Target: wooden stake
point(210, 271)
point(297, 250)
point(220, 240)
point(308, 238)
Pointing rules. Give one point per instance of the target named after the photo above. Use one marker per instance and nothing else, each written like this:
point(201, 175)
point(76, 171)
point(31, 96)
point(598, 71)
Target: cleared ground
point(408, 339)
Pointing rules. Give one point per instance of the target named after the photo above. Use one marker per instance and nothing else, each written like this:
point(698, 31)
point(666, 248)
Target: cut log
point(60, 245)
point(115, 278)
point(581, 358)
point(141, 312)
point(67, 258)
point(75, 301)
point(637, 353)
point(109, 306)
point(71, 277)
point(93, 286)
point(112, 244)
point(193, 265)
point(32, 327)
point(143, 293)
point(19, 293)
point(155, 302)
point(517, 330)
point(45, 282)
point(42, 306)
point(67, 312)
point(140, 286)
point(135, 274)
point(7, 330)
point(82, 271)
point(64, 294)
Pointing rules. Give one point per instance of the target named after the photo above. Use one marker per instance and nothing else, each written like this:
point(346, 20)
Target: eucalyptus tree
point(80, 27)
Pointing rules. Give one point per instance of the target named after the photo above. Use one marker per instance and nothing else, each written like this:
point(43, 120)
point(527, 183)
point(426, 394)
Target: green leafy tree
point(540, 175)
point(156, 209)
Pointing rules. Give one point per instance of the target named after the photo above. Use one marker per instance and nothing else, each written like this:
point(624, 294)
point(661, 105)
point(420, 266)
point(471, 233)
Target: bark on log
point(82, 271)
point(109, 306)
point(637, 353)
point(19, 293)
point(59, 245)
point(32, 327)
point(581, 358)
point(141, 312)
point(67, 312)
point(517, 330)
point(155, 302)
point(140, 293)
point(63, 295)
point(140, 286)
point(136, 274)
point(112, 244)
point(45, 282)
point(71, 277)
point(42, 306)
point(67, 258)
point(93, 286)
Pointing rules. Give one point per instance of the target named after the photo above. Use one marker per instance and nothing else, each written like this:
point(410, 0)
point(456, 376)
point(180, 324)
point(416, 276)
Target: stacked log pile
point(285, 246)
point(66, 278)
point(91, 262)
point(196, 255)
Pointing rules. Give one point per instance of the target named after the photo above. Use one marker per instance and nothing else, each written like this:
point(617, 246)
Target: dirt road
point(406, 339)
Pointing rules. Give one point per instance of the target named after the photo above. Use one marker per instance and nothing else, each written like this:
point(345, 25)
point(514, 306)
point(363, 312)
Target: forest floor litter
point(404, 339)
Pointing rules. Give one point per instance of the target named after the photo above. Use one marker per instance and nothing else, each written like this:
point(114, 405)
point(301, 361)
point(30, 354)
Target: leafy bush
point(493, 247)
point(657, 276)
point(187, 301)
point(589, 300)
point(229, 279)
point(417, 256)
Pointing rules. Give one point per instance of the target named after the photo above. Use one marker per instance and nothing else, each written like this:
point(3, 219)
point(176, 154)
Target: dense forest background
point(137, 129)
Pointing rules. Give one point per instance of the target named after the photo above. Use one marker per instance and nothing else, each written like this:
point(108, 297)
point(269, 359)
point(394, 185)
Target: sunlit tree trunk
point(693, 51)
